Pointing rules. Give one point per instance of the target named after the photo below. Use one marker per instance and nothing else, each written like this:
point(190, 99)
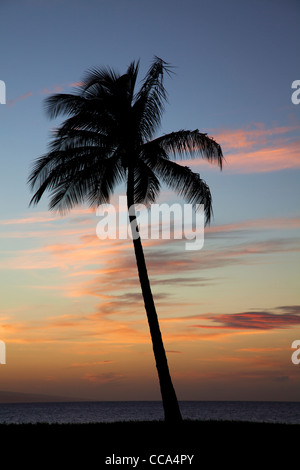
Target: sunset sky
point(72, 317)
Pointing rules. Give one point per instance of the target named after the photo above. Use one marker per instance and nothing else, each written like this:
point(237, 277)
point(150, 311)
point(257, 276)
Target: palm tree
point(108, 137)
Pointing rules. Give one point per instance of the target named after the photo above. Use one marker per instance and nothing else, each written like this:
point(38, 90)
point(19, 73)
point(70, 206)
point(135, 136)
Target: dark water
point(88, 412)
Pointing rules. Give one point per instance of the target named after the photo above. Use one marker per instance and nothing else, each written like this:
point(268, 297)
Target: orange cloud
point(106, 271)
point(103, 378)
point(259, 350)
point(88, 364)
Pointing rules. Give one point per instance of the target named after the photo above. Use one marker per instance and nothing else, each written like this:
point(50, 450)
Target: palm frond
point(98, 81)
point(103, 123)
point(146, 184)
point(104, 82)
point(77, 138)
point(149, 101)
point(61, 166)
point(94, 185)
point(63, 103)
point(103, 182)
point(185, 143)
point(185, 183)
point(153, 81)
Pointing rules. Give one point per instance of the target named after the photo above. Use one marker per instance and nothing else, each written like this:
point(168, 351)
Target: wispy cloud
point(257, 149)
point(58, 88)
point(45, 217)
point(107, 268)
point(103, 378)
point(54, 89)
point(23, 97)
point(286, 223)
point(253, 136)
point(254, 319)
point(89, 364)
point(76, 84)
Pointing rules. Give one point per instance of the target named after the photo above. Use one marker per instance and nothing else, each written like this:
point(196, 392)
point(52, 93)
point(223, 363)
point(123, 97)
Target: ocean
point(92, 412)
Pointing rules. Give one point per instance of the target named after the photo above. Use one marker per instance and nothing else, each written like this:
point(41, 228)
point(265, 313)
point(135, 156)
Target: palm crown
point(109, 132)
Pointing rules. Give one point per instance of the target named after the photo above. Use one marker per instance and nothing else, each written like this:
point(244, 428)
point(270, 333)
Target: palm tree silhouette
point(107, 138)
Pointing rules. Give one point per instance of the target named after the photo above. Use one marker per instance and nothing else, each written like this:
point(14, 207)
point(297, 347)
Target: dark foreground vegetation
point(103, 445)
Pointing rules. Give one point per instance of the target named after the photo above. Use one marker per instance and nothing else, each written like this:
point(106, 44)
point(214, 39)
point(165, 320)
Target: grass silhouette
point(214, 442)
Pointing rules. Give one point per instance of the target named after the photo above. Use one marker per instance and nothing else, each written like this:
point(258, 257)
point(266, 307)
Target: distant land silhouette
point(16, 397)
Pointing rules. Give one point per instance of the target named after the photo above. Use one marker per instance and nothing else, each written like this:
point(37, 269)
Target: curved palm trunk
point(169, 399)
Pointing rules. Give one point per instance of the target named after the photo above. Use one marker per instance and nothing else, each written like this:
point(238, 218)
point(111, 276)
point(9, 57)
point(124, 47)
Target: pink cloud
point(54, 89)
point(19, 98)
point(257, 149)
point(76, 84)
point(60, 87)
point(251, 137)
point(77, 215)
point(255, 320)
point(257, 224)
